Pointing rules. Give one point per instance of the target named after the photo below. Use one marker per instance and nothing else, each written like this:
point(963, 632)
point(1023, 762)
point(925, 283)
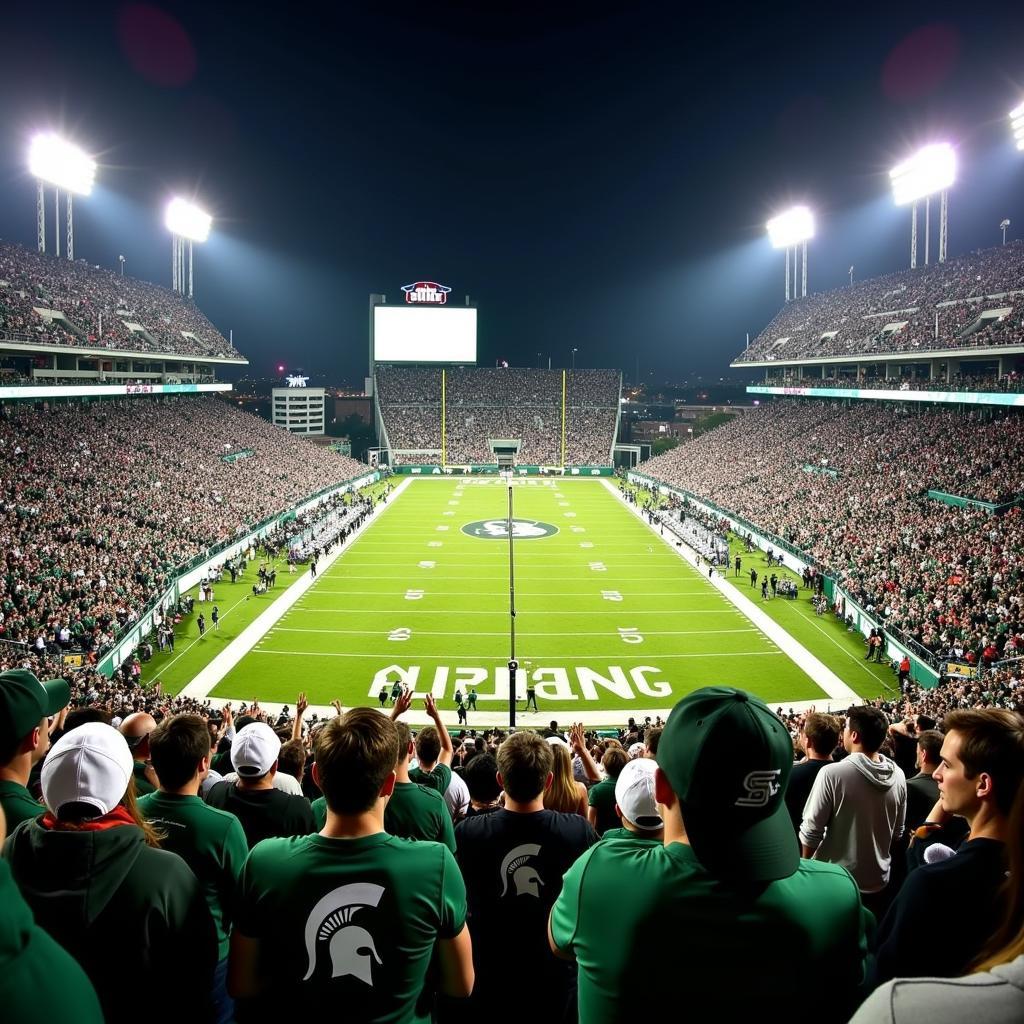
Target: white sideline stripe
point(519, 611)
point(819, 673)
point(504, 632)
point(522, 593)
point(246, 641)
point(503, 659)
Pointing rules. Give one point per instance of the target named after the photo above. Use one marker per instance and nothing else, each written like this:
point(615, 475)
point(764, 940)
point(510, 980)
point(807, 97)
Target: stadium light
point(791, 228)
point(187, 220)
point(788, 230)
point(186, 223)
point(57, 162)
point(1017, 125)
point(930, 170)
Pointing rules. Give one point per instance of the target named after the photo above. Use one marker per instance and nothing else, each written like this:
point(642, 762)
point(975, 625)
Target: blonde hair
point(562, 794)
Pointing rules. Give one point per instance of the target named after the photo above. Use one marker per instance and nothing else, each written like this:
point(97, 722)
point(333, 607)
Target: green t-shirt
point(143, 786)
point(439, 777)
point(729, 950)
point(319, 806)
point(348, 923)
point(211, 842)
point(632, 837)
point(602, 798)
point(18, 804)
point(418, 812)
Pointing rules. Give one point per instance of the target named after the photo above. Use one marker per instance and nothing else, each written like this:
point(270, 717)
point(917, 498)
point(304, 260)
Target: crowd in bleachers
point(846, 485)
point(1012, 383)
point(861, 320)
point(101, 503)
point(483, 404)
point(97, 307)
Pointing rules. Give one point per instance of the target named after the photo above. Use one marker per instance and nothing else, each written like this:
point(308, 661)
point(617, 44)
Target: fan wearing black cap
point(725, 917)
point(26, 706)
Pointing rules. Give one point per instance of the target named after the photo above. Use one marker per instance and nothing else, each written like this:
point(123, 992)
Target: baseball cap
point(254, 750)
point(91, 765)
point(728, 758)
point(25, 701)
point(635, 750)
point(557, 741)
point(634, 793)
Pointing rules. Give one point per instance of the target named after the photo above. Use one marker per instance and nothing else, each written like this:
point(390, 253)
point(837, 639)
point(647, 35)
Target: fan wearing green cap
point(724, 917)
point(26, 706)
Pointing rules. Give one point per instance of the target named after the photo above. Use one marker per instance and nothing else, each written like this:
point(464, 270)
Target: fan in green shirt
point(415, 811)
point(211, 842)
point(351, 918)
point(434, 749)
point(724, 920)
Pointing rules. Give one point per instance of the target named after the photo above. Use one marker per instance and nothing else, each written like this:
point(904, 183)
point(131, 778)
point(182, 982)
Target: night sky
point(594, 175)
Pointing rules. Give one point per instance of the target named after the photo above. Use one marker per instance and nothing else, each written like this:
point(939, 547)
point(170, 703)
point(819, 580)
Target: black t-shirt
point(513, 866)
point(264, 813)
point(799, 789)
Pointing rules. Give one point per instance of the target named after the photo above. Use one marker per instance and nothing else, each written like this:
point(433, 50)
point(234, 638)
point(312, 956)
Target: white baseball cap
point(90, 765)
point(557, 741)
point(254, 750)
point(635, 750)
point(634, 793)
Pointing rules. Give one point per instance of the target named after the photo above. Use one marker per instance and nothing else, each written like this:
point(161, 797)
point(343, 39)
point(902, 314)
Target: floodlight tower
point(55, 161)
point(930, 170)
point(790, 231)
point(186, 223)
point(1017, 125)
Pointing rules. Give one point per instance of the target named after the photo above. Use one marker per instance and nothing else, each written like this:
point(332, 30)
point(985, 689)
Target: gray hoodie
point(855, 811)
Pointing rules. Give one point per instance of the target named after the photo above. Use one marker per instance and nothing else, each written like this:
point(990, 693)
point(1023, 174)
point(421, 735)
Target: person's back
point(413, 811)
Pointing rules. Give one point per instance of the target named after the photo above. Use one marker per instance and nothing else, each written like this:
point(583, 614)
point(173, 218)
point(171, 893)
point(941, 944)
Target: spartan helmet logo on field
point(517, 866)
point(497, 529)
point(351, 948)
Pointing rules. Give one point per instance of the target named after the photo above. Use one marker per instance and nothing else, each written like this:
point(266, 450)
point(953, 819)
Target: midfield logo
point(497, 529)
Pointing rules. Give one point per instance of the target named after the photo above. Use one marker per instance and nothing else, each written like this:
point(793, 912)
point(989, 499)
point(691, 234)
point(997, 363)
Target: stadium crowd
point(284, 863)
point(1011, 382)
point(97, 306)
point(847, 485)
point(897, 312)
point(101, 503)
point(484, 404)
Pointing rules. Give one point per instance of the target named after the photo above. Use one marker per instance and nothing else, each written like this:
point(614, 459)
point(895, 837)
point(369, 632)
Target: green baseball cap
point(24, 700)
point(728, 759)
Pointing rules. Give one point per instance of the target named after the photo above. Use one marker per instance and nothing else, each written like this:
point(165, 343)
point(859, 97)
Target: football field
point(608, 615)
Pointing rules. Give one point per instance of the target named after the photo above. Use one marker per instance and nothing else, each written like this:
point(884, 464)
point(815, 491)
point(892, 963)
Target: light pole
point(538, 360)
point(121, 260)
point(930, 170)
point(851, 275)
point(1004, 224)
point(186, 223)
point(790, 231)
point(574, 351)
point(54, 161)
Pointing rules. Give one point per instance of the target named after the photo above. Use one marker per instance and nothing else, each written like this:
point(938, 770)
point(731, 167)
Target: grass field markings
point(519, 612)
point(504, 632)
point(453, 503)
point(503, 658)
point(535, 593)
point(448, 512)
point(569, 515)
point(435, 543)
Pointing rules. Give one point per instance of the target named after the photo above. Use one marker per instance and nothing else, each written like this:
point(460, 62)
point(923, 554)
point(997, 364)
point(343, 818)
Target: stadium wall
point(193, 572)
point(921, 671)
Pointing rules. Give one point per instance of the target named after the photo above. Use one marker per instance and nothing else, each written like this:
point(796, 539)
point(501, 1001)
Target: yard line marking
point(503, 658)
point(504, 632)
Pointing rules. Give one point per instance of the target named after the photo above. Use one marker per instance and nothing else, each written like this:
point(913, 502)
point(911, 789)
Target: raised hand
point(301, 704)
point(402, 704)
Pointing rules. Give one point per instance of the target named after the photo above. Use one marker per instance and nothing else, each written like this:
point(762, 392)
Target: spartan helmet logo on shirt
point(351, 948)
point(517, 866)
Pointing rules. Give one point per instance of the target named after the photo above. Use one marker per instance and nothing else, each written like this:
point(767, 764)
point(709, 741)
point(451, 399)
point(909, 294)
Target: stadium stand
point(977, 299)
point(100, 503)
point(48, 300)
point(483, 404)
point(847, 486)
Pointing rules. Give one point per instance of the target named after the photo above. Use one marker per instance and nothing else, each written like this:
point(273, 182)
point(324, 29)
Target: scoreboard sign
point(428, 293)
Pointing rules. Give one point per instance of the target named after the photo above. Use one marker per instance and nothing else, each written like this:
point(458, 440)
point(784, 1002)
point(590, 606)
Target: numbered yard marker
point(414, 595)
point(611, 595)
point(630, 635)
point(402, 633)
point(598, 567)
point(427, 565)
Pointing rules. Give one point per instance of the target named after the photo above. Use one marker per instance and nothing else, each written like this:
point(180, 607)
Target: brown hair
point(404, 739)
point(563, 794)
point(176, 746)
point(991, 741)
point(355, 753)
point(870, 724)
point(428, 745)
point(930, 741)
point(1008, 942)
point(823, 731)
point(652, 738)
point(614, 760)
point(74, 817)
point(292, 759)
point(525, 761)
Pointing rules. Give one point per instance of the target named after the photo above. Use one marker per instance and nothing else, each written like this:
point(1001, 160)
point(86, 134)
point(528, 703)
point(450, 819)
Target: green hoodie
point(32, 964)
point(134, 917)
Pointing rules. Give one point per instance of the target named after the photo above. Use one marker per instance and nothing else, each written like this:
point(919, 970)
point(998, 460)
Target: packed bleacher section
point(97, 306)
point(846, 486)
point(1007, 383)
point(897, 313)
point(101, 503)
point(485, 404)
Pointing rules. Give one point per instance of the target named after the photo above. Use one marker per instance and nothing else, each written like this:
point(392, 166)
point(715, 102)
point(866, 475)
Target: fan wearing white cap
point(263, 810)
point(124, 909)
point(636, 805)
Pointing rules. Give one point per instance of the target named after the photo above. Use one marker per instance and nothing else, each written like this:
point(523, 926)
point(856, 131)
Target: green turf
point(363, 620)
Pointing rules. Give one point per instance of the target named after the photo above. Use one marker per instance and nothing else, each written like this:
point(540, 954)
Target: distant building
point(299, 410)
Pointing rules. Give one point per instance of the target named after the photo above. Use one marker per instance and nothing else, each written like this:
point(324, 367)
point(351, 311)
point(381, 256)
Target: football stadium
point(512, 679)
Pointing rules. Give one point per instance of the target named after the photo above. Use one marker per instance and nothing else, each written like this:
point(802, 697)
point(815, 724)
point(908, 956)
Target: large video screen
point(410, 334)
